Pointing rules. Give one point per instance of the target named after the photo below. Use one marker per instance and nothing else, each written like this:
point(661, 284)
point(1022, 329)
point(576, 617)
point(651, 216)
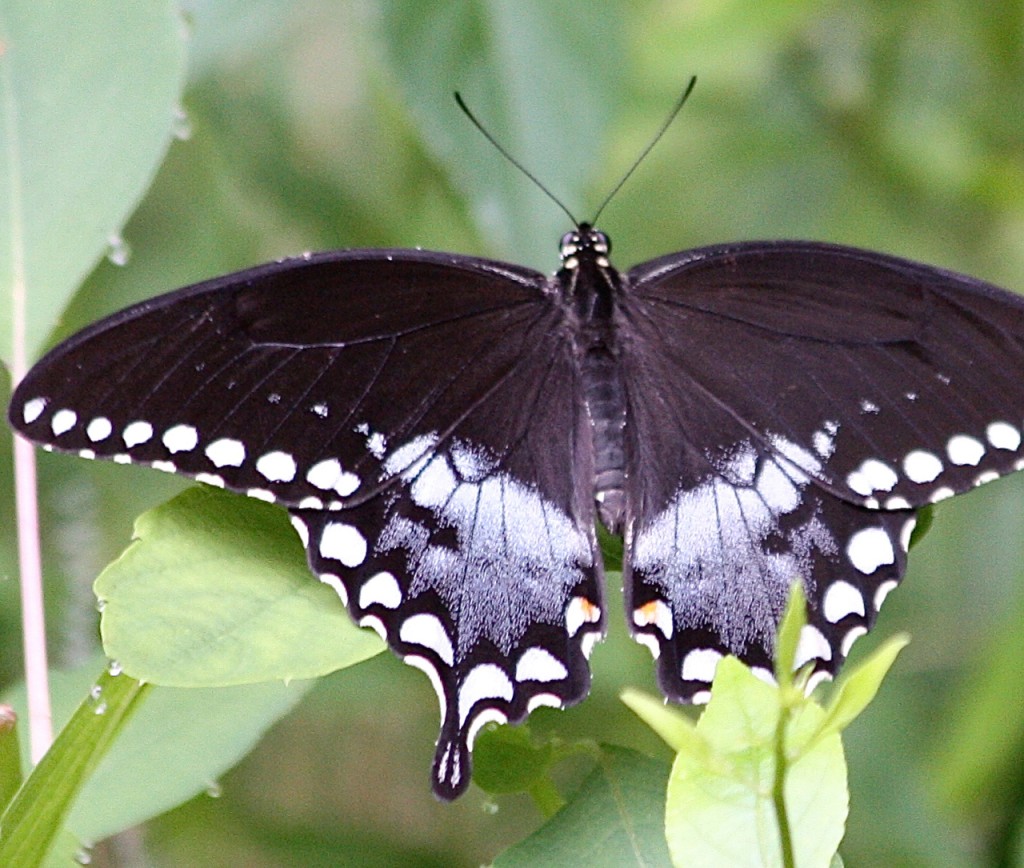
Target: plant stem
point(779, 790)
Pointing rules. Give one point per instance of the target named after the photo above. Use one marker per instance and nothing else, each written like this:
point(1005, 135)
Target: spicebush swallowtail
point(445, 430)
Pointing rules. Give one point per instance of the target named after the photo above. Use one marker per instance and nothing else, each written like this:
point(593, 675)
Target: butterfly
point(445, 430)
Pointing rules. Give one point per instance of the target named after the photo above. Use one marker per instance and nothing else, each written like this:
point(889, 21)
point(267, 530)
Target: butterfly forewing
point(818, 394)
point(422, 418)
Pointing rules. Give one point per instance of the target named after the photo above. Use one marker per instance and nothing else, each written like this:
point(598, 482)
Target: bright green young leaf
point(674, 727)
point(615, 819)
point(793, 621)
point(722, 810)
point(858, 686)
point(34, 819)
point(215, 591)
point(88, 96)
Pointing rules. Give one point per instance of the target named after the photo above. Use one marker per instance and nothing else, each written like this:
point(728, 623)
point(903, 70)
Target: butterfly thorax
point(591, 285)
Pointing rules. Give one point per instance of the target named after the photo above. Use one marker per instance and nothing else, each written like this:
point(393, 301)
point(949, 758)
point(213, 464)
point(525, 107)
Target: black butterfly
point(444, 430)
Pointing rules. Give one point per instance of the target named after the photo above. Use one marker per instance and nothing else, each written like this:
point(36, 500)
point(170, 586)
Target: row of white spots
point(275, 466)
point(922, 466)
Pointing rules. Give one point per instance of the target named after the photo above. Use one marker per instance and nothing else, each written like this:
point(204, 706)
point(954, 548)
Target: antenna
point(643, 154)
point(650, 146)
point(504, 152)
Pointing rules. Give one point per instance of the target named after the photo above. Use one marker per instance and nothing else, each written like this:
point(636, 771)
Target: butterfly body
point(445, 431)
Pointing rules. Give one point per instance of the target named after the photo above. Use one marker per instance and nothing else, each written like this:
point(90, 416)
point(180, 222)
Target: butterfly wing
point(808, 398)
point(401, 404)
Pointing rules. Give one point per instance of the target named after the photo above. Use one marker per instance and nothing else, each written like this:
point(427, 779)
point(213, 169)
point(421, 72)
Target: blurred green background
point(893, 125)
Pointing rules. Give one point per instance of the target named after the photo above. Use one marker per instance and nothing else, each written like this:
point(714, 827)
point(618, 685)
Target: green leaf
point(793, 621)
point(721, 808)
point(215, 591)
point(676, 728)
point(858, 685)
point(10, 757)
point(614, 820)
point(88, 95)
point(503, 57)
point(506, 760)
point(33, 821)
point(191, 735)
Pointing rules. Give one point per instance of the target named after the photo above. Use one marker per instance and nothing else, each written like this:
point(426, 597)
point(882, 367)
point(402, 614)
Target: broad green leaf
point(88, 96)
point(34, 819)
point(215, 591)
point(721, 808)
point(504, 57)
point(615, 819)
point(178, 743)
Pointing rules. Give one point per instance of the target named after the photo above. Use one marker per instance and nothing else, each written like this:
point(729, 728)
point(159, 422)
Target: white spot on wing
point(906, 532)
point(99, 428)
point(539, 664)
point(486, 681)
point(921, 466)
point(327, 475)
point(657, 614)
point(427, 631)
point(882, 592)
point(700, 665)
point(580, 611)
point(963, 449)
point(872, 475)
point(651, 642)
point(486, 716)
point(33, 409)
point(852, 635)
point(380, 590)
point(842, 599)
point(180, 438)
point(136, 433)
point(942, 493)
point(261, 494)
point(165, 466)
point(343, 542)
point(276, 466)
point(63, 421)
point(812, 645)
point(1002, 435)
point(427, 667)
point(336, 583)
point(226, 452)
point(300, 528)
point(869, 549)
point(210, 479)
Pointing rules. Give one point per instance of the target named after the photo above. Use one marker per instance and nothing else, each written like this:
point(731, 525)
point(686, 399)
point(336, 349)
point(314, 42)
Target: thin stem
point(779, 790)
point(40, 718)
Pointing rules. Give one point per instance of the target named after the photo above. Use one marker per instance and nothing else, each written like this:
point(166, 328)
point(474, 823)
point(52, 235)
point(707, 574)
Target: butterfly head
point(584, 243)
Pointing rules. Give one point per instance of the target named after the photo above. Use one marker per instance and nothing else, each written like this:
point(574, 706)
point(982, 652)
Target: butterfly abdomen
point(606, 406)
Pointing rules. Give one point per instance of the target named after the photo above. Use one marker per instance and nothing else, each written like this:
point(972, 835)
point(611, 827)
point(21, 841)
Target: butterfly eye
point(569, 246)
